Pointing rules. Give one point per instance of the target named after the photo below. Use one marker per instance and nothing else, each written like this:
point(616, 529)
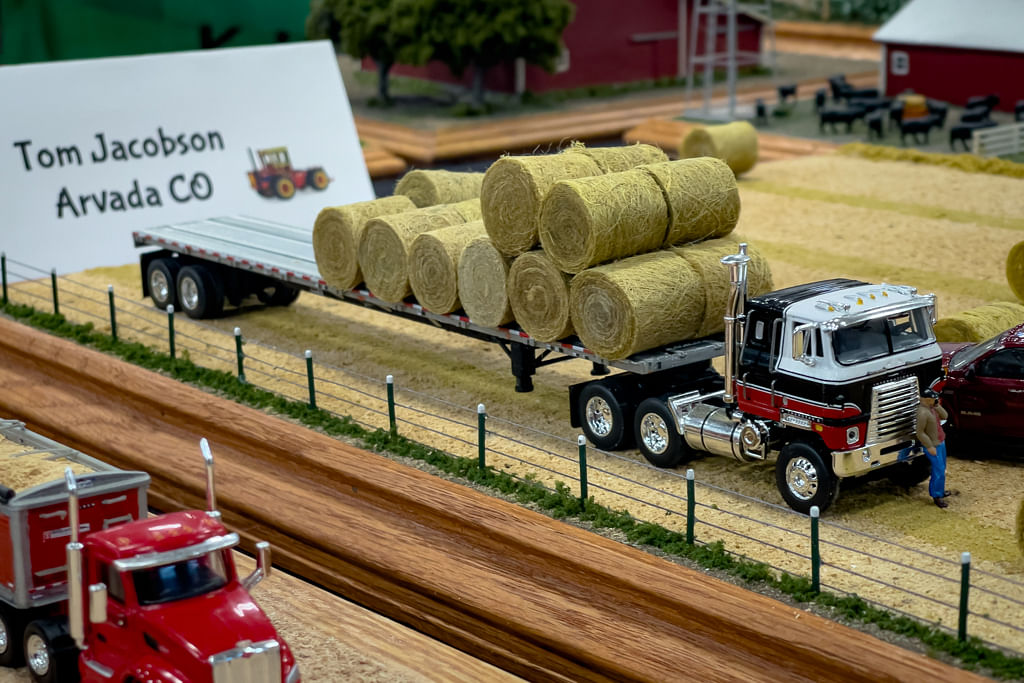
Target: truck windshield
point(881, 337)
point(180, 580)
point(969, 354)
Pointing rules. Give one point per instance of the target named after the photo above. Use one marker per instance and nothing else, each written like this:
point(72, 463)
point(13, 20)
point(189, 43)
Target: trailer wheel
point(804, 479)
point(657, 436)
point(162, 276)
point(604, 422)
point(281, 295)
point(11, 629)
point(50, 652)
point(912, 473)
point(284, 187)
point(200, 294)
point(318, 179)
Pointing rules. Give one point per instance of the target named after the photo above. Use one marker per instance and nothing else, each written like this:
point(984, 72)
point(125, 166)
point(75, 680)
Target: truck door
point(115, 642)
point(755, 380)
point(992, 401)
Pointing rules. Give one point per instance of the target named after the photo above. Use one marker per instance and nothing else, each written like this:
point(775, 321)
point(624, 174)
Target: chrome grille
point(248, 663)
point(893, 410)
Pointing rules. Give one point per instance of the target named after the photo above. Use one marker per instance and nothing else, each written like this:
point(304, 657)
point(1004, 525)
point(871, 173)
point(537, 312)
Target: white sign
point(91, 150)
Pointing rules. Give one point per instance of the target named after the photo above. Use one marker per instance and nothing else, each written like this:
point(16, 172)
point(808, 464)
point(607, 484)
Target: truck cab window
point(1005, 364)
point(112, 577)
point(180, 580)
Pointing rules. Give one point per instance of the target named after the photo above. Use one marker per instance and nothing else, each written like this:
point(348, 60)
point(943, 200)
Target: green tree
point(480, 34)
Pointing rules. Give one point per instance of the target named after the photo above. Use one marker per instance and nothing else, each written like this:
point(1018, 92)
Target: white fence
point(999, 140)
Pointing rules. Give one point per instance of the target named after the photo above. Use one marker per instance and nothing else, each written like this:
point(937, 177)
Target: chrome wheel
point(37, 655)
point(802, 478)
point(188, 292)
point(159, 286)
point(599, 416)
point(654, 433)
point(4, 639)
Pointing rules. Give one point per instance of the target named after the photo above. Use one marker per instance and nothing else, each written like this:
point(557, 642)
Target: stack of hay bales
point(735, 143)
point(434, 264)
point(483, 279)
point(430, 188)
point(539, 296)
point(979, 324)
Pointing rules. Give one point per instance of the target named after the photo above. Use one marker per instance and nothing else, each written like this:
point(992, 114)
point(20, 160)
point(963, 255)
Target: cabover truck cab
point(824, 376)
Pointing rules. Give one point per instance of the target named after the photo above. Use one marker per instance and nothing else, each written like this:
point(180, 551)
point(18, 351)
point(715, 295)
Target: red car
point(984, 386)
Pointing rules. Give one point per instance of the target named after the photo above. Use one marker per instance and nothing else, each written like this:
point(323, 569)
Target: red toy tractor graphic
point(275, 177)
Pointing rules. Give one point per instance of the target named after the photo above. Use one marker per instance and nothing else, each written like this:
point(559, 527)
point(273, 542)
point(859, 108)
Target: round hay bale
point(1015, 269)
point(469, 209)
point(702, 197)
point(512, 192)
point(622, 158)
point(539, 295)
point(588, 221)
point(434, 264)
point(734, 143)
point(384, 247)
point(981, 323)
point(336, 235)
point(483, 276)
point(636, 304)
point(706, 260)
point(429, 188)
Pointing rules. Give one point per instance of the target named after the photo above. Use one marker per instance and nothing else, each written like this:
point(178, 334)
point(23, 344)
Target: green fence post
point(53, 283)
point(309, 378)
point(3, 273)
point(965, 585)
point(815, 551)
point(113, 315)
point(239, 354)
point(481, 421)
point(691, 506)
point(582, 442)
point(170, 329)
point(392, 423)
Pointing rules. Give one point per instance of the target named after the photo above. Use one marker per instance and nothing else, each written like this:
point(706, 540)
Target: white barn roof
point(971, 24)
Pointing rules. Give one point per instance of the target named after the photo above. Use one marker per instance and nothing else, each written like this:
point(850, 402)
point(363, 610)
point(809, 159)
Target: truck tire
point(602, 417)
point(656, 435)
point(11, 630)
point(50, 652)
point(162, 278)
point(281, 295)
point(200, 294)
point(804, 478)
point(908, 474)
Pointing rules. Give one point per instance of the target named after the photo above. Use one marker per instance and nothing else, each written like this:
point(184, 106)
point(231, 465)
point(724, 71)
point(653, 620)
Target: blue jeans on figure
point(937, 482)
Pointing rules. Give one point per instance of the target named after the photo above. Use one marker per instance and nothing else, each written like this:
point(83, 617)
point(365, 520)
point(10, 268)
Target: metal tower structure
point(712, 11)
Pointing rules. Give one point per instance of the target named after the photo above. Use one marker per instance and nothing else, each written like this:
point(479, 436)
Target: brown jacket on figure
point(929, 431)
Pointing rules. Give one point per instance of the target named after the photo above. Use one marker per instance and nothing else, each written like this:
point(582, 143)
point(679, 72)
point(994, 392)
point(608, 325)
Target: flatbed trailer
point(252, 254)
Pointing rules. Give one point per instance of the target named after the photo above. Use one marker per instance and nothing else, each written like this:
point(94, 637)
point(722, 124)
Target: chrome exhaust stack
point(76, 612)
point(734, 316)
point(211, 492)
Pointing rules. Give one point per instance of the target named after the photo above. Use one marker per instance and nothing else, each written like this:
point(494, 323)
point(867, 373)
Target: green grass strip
point(872, 270)
point(968, 163)
point(561, 503)
point(862, 202)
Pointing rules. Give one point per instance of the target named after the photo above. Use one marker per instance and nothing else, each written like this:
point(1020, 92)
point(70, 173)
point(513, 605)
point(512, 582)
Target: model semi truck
point(92, 589)
point(823, 377)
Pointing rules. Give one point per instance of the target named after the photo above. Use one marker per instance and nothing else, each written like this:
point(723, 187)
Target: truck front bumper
point(869, 457)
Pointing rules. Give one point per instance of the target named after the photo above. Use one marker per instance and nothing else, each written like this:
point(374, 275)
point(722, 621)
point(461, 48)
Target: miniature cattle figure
point(876, 124)
point(834, 116)
point(939, 110)
point(916, 127)
point(963, 132)
point(975, 114)
point(1018, 111)
point(991, 101)
point(895, 113)
point(821, 96)
point(787, 91)
point(760, 111)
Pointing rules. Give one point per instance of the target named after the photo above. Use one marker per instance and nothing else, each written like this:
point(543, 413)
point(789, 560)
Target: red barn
point(612, 41)
point(950, 50)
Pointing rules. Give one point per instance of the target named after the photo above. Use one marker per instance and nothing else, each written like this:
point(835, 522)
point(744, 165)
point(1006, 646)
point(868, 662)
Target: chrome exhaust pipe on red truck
point(211, 493)
point(734, 316)
point(76, 612)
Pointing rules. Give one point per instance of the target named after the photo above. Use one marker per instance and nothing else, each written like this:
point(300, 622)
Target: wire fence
point(885, 573)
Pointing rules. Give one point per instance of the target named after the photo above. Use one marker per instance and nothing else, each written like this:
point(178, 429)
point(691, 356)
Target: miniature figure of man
point(933, 439)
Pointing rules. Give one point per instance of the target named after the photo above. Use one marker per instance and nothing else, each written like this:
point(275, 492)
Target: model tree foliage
point(480, 34)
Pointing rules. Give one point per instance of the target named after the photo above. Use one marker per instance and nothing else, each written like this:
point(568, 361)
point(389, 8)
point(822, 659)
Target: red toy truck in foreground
point(135, 598)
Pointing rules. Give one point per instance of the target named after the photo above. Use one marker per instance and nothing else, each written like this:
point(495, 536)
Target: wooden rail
point(524, 592)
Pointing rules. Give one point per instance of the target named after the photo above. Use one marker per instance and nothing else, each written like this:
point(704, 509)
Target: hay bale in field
point(539, 295)
point(434, 264)
point(622, 158)
point(512, 192)
point(432, 187)
point(483, 277)
point(702, 197)
point(591, 220)
point(636, 304)
point(336, 234)
point(385, 241)
point(706, 260)
point(1015, 269)
point(979, 324)
point(734, 143)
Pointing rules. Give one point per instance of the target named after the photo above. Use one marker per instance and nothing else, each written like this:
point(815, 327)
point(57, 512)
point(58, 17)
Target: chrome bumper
point(866, 458)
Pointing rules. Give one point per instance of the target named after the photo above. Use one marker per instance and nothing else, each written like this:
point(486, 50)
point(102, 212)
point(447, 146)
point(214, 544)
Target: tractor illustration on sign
point(274, 176)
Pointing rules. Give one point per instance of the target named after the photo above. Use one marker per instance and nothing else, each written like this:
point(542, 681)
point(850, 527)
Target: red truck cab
point(984, 385)
point(176, 610)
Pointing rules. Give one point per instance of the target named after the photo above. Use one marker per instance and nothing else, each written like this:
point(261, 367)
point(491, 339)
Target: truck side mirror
point(262, 566)
point(97, 603)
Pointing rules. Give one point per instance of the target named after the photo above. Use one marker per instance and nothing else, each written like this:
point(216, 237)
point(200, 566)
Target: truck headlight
point(852, 435)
